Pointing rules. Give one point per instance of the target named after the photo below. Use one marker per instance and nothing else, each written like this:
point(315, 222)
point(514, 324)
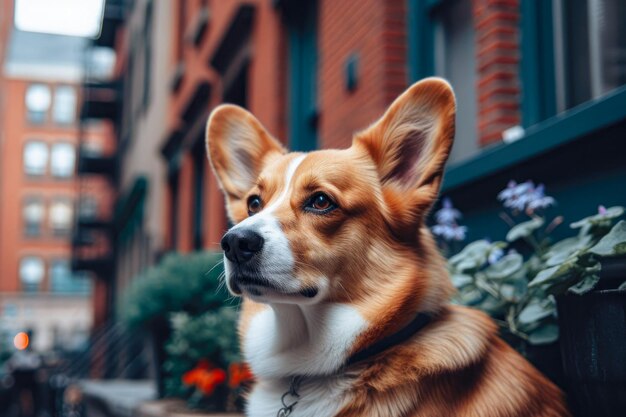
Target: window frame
point(57, 232)
point(46, 112)
point(54, 105)
point(51, 168)
point(302, 69)
point(41, 282)
point(545, 127)
point(46, 168)
point(42, 223)
point(85, 288)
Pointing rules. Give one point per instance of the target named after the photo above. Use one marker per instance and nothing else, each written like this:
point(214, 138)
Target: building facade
point(39, 139)
point(538, 98)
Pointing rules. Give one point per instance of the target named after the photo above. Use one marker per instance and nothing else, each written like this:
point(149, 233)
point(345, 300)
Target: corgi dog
point(345, 295)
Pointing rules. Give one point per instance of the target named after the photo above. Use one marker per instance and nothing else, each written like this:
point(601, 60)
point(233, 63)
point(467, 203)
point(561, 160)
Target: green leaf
point(537, 310)
point(589, 280)
point(524, 229)
point(507, 266)
point(611, 213)
point(587, 284)
point(461, 280)
point(614, 243)
point(472, 257)
point(553, 275)
point(470, 295)
point(566, 249)
point(515, 291)
point(623, 286)
point(545, 334)
point(491, 306)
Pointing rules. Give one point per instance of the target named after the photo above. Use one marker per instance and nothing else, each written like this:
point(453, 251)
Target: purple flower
point(447, 227)
point(447, 214)
point(525, 197)
point(450, 232)
point(538, 199)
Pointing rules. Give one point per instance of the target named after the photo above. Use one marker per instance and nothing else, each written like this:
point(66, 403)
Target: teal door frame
point(301, 23)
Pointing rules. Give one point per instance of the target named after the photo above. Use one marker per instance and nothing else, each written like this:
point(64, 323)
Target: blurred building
point(40, 81)
point(540, 88)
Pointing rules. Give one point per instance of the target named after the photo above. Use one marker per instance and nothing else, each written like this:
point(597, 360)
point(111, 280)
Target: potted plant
point(179, 283)
point(521, 281)
point(203, 364)
point(590, 289)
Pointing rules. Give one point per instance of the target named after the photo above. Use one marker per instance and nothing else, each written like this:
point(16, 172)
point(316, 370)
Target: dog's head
point(322, 226)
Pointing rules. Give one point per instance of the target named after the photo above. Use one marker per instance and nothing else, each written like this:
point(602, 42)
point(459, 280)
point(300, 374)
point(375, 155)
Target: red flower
point(239, 373)
point(190, 377)
point(210, 379)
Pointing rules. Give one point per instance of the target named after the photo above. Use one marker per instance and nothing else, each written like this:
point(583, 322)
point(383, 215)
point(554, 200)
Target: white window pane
point(33, 211)
point(64, 110)
point(63, 280)
point(61, 213)
point(33, 214)
point(32, 271)
point(38, 100)
point(62, 160)
point(35, 158)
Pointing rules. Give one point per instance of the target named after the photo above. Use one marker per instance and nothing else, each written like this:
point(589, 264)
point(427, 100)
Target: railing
point(113, 352)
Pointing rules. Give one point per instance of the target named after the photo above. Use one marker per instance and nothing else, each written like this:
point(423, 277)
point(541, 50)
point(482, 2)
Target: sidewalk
point(129, 398)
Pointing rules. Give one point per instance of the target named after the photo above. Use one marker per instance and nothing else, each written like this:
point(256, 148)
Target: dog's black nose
point(241, 245)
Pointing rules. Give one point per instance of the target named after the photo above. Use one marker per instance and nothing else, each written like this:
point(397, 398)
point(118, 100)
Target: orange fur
point(380, 258)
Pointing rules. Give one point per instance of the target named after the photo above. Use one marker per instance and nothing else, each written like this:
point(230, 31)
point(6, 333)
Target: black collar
point(418, 323)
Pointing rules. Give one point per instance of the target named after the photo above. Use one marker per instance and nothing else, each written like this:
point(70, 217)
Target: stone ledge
point(174, 408)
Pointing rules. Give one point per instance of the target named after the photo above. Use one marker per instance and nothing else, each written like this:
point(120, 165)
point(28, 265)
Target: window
point(590, 49)
point(64, 281)
point(64, 111)
point(455, 39)
point(61, 213)
point(573, 51)
point(32, 272)
point(35, 158)
point(302, 58)
point(88, 208)
point(38, 100)
point(92, 149)
point(63, 157)
point(33, 212)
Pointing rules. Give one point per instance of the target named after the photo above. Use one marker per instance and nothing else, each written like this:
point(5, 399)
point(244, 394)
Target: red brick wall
point(375, 30)
point(266, 99)
point(496, 23)
point(15, 132)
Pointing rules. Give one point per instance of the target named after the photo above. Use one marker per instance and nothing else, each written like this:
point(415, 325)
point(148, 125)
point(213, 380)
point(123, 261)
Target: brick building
point(315, 71)
point(40, 80)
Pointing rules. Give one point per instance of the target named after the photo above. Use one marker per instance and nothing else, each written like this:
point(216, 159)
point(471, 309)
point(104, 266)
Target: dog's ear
point(410, 145)
point(238, 147)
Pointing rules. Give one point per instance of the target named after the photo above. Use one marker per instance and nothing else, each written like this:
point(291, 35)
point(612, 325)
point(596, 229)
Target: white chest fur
point(319, 397)
point(286, 339)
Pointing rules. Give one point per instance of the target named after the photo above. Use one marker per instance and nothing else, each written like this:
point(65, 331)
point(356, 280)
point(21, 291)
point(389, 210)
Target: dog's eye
point(254, 205)
point(320, 203)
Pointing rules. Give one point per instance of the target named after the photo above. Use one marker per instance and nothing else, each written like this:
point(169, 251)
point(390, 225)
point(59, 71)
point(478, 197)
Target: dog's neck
point(283, 340)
